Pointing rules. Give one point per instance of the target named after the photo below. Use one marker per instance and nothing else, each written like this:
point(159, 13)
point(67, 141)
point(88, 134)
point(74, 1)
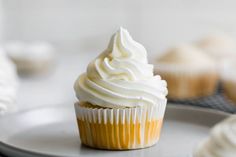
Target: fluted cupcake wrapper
point(127, 128)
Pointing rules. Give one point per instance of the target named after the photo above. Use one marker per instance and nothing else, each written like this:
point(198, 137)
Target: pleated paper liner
point(230, 91)
point(120, 129)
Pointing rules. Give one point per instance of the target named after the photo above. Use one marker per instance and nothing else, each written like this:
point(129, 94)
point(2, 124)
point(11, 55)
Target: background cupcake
point(219, 47)
point(8, 84)
point(228, 79)
point(221, 142)
point(31, 58)
point(189, 72)
point(121, 103)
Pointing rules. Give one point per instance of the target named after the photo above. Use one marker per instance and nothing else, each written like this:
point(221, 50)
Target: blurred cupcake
point(221, 142)
point(121, 103)
point(8, 84)
point(218, 46)
point(31, 58)
point(228, 78)
point(189, 72)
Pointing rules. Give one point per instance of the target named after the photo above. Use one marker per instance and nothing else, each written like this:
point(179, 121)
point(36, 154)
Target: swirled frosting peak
point(222, 141)
point(121, 76)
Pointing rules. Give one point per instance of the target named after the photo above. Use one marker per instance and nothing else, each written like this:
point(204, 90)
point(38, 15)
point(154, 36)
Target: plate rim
point(14, 149)
point(172, 105)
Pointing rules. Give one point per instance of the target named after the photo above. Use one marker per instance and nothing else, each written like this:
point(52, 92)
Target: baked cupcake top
point(185, 58)
point(222, 140)
point(218, 46)
point(121, 77)
point(227, 68)
point(8, 84)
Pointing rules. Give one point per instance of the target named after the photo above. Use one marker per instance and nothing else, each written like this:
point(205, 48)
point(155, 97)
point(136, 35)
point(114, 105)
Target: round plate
point(53, 131)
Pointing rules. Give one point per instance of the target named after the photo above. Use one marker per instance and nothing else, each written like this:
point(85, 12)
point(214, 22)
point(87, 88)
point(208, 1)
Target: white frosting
point(8, 84)
point(29, 51)
point(222, 141)
point(218, 46)
point(121, 77)
point(185, 58)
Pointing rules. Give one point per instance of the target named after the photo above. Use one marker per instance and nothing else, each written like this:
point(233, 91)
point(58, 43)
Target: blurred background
point(80, 29)
point(85, 25)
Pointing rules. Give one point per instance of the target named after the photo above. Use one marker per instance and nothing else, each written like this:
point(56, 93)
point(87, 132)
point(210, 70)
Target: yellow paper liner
point(120, 129)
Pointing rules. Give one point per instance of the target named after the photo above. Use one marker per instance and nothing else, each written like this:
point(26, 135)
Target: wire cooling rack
point(217, 101)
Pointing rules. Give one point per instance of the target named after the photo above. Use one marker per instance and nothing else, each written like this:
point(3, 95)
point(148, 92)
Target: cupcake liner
point(117, 129)
point(230, 90)
point(187, 84)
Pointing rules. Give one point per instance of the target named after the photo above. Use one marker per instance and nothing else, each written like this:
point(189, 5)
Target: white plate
point(53, 131)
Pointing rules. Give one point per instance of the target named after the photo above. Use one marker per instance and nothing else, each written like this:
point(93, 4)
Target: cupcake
point(189, 72)
point(218, 46)
point(31, 58)
point(228, 79)
point(221, 142)
point(121, 103)
point(8, 84)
